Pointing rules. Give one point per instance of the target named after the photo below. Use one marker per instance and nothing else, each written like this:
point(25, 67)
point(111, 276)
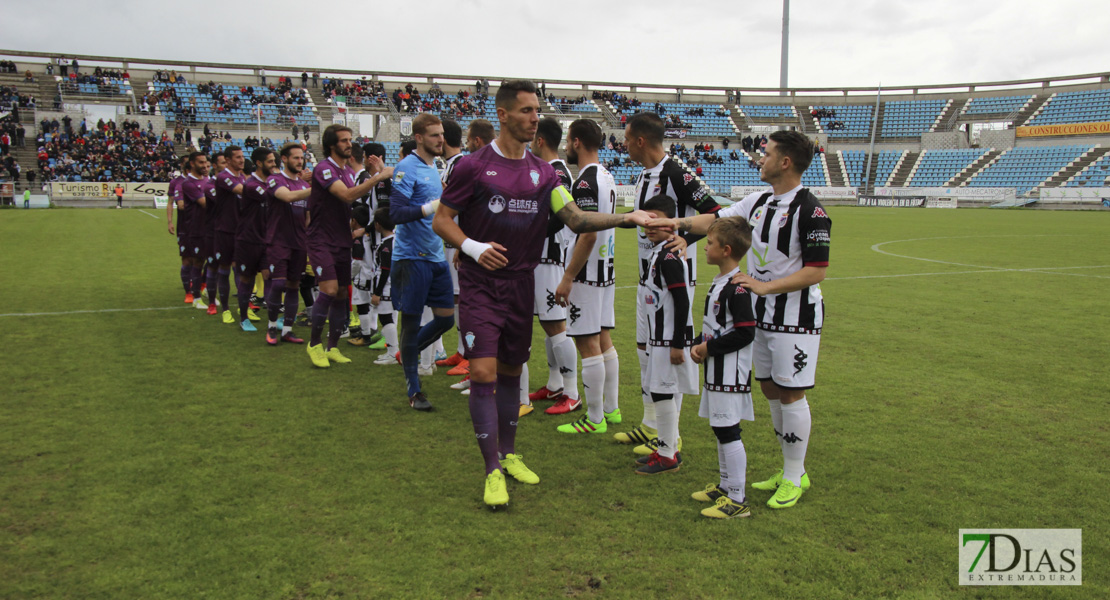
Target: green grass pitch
point(161, 454)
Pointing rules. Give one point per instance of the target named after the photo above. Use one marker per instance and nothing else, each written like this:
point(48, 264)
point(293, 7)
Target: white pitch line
point(147, 214)
point(83, 312)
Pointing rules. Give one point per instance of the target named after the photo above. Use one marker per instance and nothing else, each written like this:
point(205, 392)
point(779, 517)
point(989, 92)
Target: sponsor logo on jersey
point(491, 173)
point(273, 183)
point(397, 177)
point(583, 185)
point(819, 213)
point(327, 173)
point(469, 339)
point(523, 206)
point(783, 218)
point(799, 360)
point(687, 178)
point(716, 308)
point(496, 204)
point(535, 175)
point(757, 214)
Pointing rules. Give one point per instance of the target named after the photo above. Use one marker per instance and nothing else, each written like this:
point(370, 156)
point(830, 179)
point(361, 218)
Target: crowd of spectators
point(457, 105)
point(358, 91)
point(107, 81)
point(106, 152)
point(11, 99)
point(823, 114)
point(7, 66)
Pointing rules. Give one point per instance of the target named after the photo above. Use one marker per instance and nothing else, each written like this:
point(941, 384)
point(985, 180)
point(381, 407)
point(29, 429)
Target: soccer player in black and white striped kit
point(786, 264)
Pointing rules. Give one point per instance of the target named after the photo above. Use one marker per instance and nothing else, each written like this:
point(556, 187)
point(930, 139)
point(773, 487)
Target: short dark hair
point(647, 125)
point(356, 153)
point(374, 149)
point(551, 132)
point(215, 157)
point(193, 156)
point(289, 147)
point(259, 155)
point(452, 133)
point(507, 93)
point(734, 232)
point(423, 121)
point(381, 217)
point(586, 131)
point(662, 203)
point(230, 151)
point(482, 129)
point(408, 147)
point(331, 137)
point(794, 146)
point(361, 214)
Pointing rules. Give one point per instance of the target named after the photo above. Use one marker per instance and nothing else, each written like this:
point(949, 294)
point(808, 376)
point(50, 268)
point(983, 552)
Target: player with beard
point(217, 164)
point(250, 234)
point(505, 195)
point(229, 186)
point(587, 288)
point(420, 276)
point(190, 206)
point(329, 242)
point(286, 239)
point(562, 363)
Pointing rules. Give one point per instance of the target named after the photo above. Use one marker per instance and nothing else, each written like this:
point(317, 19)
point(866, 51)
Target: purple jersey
point(227, 201)
point(175, 195)
point(330, 221)
point(252, 211)
point(209, 207)
point(285, 226)
point(190, 220)
point(505, 201)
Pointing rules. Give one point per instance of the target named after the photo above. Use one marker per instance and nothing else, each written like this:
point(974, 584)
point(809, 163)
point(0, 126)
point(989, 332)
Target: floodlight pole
point(785, 47)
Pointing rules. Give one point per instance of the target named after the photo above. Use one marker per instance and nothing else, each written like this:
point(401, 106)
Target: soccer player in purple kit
point(286, 241)
point(190, 221)
point(250, 233)
point(217, 164)
point(505, 195)
point(229, 185)
point(329, 242)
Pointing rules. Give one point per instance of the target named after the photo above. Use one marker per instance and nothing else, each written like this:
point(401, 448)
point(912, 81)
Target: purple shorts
point(209, 249)
point(495, 314)
point(190, 247)
point(250, 257)
point(330, 263)
point(285, 263)
point(224, 246)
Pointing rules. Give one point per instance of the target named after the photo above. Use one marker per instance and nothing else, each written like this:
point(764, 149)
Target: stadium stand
point(999, 105)
point(230, 104)
point(1074, 107)
point(844, 121)
point(1096, 174)
point(699, 120)
point(910, 119)
point(1026, 167)
point(937, 167)
point(768, 111)
point(582, 104)
point(855, 162)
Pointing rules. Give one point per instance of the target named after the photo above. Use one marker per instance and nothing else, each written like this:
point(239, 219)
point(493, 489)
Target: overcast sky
point(833, 42)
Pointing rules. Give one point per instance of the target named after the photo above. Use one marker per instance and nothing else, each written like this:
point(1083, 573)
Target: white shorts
point(548, 278)
point(665, 378)
point(788, 359)
point(385, 307)
point(450, 254)
point(362, 281)
point(360, 296)
point(725, 408)
point(590, 309)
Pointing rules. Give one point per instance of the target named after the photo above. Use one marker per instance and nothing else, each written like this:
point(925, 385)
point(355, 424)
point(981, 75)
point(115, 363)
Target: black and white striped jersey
point(788, 232)
point(448, 167)
point(377, 197)
point(595, 191)
point(555, 247)
point(690, 197)
point(728, 329)
point(665, 295)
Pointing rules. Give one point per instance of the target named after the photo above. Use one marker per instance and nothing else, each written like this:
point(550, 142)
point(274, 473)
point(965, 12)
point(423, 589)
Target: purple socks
point(212, 284)
point(244, 287)
point(337, 318)
point(508, 411)
point(273, 297)
point(484, 415)
point(291, 305)
point(186, 271)
point(196, 279)
point(224, 286)
point(320, 310)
